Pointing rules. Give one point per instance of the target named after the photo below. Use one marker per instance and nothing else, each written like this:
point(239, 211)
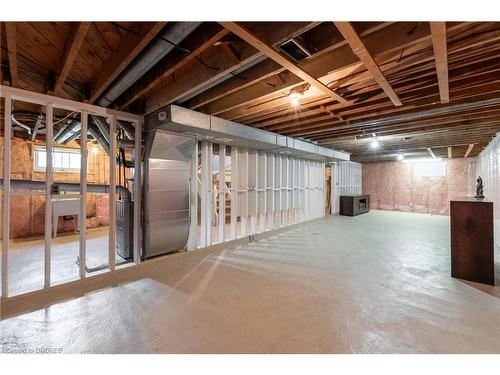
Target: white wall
point(488, 167)
point(347, 180)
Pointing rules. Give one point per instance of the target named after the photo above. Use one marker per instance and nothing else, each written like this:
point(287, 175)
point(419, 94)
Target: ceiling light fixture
point(374, 144)
point(400, 157)
point(294, 98)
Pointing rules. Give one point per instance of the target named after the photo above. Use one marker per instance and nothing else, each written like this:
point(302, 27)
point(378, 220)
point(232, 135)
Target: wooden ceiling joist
point(186, 59)
point(469, 149)
point(438, 30)
point(10, 28)
point(431, 153)
point(285, 62)
point(127, 51)
point(359, 49)
point(74, 41)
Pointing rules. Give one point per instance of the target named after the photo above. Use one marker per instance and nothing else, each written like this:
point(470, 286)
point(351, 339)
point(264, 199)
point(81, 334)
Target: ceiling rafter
point(359, 49)
point(186, 59)
point(469, 149)
point(438, 30)
point(285, 62)
point(74, 41)
point(10, 28)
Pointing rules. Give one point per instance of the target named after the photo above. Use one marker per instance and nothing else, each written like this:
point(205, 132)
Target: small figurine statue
point(479, 188)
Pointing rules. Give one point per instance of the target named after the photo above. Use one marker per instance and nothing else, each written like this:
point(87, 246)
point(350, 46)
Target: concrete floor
point(26, 259)
point(376, 283)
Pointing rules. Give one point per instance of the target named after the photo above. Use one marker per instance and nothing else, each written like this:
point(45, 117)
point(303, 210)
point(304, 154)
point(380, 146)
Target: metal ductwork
point(166, 191)
point(68, 186)
point(68, 132)
point(166, 40)
point(218, 130)
point(95, 132)
point(20, 124)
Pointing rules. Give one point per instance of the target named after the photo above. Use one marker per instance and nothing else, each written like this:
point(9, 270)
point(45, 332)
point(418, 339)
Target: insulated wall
point(398, 186)
point(488, 167)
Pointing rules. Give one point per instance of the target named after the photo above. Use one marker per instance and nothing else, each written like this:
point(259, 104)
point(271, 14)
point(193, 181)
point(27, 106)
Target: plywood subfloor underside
point(376, 283)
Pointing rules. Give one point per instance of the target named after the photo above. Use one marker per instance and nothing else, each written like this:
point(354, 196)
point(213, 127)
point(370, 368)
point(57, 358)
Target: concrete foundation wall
point(27, 213)
point(393, 187)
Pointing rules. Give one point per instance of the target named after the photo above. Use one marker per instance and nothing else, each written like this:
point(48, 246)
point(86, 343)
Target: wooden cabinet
point(472, 240)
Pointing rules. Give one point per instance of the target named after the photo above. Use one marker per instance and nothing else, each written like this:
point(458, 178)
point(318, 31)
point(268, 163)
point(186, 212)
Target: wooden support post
point(48, 193)
point(222, 192)
point(137, 191)
point(6, 195)
point(234, 192)
point(112, 194)
point(83, 195)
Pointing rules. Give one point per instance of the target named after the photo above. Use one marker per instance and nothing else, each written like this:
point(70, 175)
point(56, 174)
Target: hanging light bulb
point(294, 98)
point(374, 144)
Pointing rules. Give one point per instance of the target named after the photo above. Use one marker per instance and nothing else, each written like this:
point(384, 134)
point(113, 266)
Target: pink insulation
point(393, 187)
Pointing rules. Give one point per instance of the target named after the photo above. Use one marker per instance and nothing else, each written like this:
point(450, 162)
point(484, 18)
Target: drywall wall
point(488, 167)
point(392, 186)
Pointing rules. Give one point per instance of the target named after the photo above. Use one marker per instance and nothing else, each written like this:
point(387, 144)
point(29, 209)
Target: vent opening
point(296, 50)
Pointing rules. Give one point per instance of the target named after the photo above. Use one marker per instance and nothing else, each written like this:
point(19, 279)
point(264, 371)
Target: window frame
point(38, 149)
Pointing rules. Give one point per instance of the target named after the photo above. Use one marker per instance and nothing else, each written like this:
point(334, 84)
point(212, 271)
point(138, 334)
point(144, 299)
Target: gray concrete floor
point(26, 259)
point(376, 283)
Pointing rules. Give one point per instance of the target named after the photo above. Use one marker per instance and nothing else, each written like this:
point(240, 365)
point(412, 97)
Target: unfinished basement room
point(250, 187)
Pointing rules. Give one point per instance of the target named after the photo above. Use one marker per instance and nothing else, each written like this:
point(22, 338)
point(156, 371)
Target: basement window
point(63, 159)
point(429, 169)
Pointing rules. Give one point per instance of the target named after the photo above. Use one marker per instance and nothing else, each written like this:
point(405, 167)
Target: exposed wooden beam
point(192, 55)
point(74, 41)
point(469, 149)
point(128, 49)
point(438, 30)
point(201, 79)
point(359, 49)
point(450, 153)
point(431, 153)
point(10, 28)
point(231, 53)
point(286, 63)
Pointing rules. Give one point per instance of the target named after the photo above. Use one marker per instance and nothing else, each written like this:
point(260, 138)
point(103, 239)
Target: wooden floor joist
point(285, 62)
point(354, 76)
point(469, 149)
point(438, 30)
point(366, 58)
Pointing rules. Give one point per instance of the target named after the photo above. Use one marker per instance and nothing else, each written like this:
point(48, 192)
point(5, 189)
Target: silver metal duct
point(166, 192)
point(68, 186)
point(66, 133)
point(153, 53)
point(94, 132)
point(218, 130)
